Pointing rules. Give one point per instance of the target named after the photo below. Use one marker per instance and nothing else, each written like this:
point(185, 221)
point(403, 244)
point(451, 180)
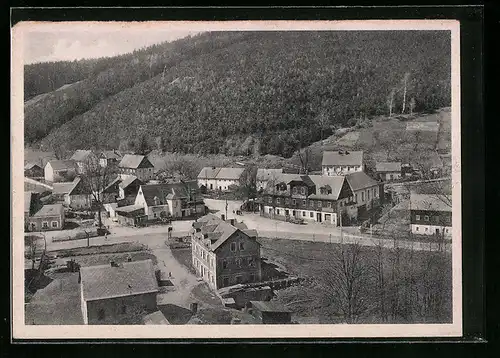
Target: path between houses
point(183, 280)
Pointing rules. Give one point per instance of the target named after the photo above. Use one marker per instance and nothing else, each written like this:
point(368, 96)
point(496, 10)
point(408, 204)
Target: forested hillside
point(243, 93)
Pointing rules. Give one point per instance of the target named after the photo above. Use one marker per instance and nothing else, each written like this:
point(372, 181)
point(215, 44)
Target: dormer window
point(156, 200)
point(303, 190)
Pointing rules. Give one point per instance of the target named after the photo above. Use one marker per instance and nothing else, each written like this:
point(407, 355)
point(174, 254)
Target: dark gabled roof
point(135, 161)
point(219, 231)
point(388, 167)
point(169, 191)
point(269, 306)
point(109, 187)
point(360, 180)
point(80, 155)
point(63, 188)
point(62, 164)
point(130, 278)
point(128, 180)
point(208, 173)
point(342, 158)
point(29, 166)
point(111, 154)
point(79, 188)
point(430, 202)
point(130, 209)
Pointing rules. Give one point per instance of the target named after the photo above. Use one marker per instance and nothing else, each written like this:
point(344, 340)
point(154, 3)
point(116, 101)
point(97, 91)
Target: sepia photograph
point(236, 179)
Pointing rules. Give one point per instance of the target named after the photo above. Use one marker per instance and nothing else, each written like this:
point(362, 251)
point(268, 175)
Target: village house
point(60, 171)
point(110, 158)
point(136, 165)
point(430, 214)
point(114, 292)
point(225, 253)
point(221, 179)
point(129, 187)
point(33, 171)
point(342, 162)
point(39, 217)
point(176, 200)
point(388, 171)
point(367, 192)
point(74, 194)
point(269, 312)
point(82, 158)
point(266, 175)
point(317, 198)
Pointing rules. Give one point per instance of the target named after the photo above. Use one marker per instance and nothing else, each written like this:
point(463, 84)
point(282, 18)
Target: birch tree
point(405, 88)
point(390, 101)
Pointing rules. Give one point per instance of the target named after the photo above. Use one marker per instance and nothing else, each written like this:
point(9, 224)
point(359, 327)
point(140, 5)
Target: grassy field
point(420, 274)
point(101, 249)
point(103, 259)
point(183, 256)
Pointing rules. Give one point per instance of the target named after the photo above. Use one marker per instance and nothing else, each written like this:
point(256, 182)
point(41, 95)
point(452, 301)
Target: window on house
point(154, 215)
point(303, 202)
point(269, 199)
point(416, 228)
point(54, 224)
point(101, 315)
point(311, 214)
point(242, 246)
point(233, 246)
point(277, 211)
point(368, 195)
point(426, 229)
point(363, 196)
point(426, 218)
point(278, 201)
point(45, 225)
point(238, 262)
point(303, 213)
point(417, 217)
point(224, 264)
point(356, 197)
point(294, 190)
point(319, 203)
point(294, 202)
point(303, 190)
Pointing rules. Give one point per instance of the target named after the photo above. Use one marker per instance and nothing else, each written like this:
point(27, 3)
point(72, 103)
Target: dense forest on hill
point(245, 92)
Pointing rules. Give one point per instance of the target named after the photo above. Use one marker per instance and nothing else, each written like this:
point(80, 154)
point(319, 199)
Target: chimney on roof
point(223, 217)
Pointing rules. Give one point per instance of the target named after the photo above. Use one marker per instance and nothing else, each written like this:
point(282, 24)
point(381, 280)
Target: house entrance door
point(437, 231)
point(318, 217)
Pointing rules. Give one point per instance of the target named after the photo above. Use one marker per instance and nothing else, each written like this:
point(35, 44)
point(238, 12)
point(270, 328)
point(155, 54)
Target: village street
point(155, 236)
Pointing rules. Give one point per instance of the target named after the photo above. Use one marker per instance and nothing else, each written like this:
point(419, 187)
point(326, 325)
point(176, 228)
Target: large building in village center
point(342, 162)
point(136, 165)
point(321, 198)
point(213, 178)
point(430, 214)
point(225, 252)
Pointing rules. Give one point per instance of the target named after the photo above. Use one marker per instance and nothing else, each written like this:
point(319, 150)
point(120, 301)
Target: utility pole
point(226, 210)
point(341, 234)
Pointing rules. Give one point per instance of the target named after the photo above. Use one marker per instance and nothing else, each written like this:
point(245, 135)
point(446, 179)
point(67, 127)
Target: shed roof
point(135, 161)
point(342, 158)
point(388, 166)
point(430, 202)
point(323, 181)
point(63, 188)
point(269, 306)
point(111, 154)
point(106, 281)
point(230, 173)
